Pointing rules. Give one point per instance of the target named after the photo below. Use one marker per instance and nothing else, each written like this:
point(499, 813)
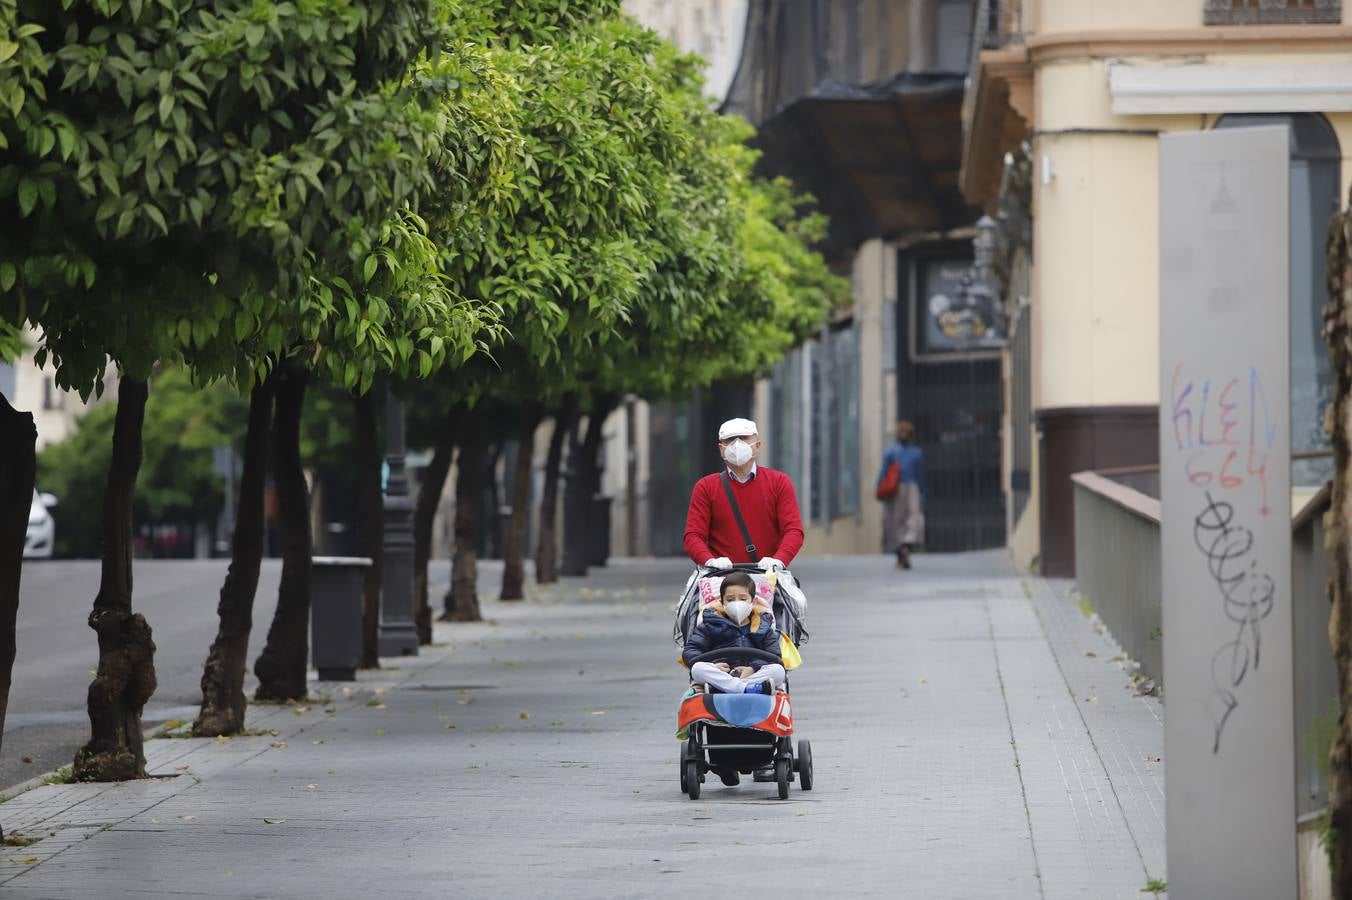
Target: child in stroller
point(735, 621)
point(736, 719)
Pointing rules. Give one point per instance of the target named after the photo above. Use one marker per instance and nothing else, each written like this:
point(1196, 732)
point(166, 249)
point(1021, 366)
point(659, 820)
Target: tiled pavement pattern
point(967, 744)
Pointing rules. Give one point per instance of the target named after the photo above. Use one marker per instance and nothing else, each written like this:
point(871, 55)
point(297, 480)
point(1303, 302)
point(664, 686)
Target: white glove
point(770, 564)
point(718, 562)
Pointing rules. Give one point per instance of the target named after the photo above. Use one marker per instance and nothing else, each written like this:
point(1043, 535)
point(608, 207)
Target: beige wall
point(712, 28)
point(1097, 230)
point(55, 412)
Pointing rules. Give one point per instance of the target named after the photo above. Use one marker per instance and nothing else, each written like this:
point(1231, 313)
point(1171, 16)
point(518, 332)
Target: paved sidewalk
point(973, 738)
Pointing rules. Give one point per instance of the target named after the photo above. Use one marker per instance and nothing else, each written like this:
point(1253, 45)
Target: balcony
point(998, 107)
point(1272, 12)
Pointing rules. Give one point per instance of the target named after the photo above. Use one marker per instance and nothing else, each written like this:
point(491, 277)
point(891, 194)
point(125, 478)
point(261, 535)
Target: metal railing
point(1117, 564)
point(1117, 569)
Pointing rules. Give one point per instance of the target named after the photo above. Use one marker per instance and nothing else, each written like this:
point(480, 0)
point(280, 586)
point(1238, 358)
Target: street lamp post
point(398, 635)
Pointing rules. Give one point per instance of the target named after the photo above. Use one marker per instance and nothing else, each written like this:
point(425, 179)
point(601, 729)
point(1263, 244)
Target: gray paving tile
point(534, 757)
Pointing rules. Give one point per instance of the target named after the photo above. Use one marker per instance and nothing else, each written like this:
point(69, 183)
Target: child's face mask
point(738, 610)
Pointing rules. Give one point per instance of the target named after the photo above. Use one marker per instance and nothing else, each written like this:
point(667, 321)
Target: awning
point(839, 110)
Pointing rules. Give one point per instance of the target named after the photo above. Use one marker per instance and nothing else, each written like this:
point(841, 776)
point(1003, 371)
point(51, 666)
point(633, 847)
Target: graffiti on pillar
point(1223, 430)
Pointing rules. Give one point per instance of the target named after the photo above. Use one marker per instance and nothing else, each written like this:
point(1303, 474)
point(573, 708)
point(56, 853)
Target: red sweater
point(769, 506)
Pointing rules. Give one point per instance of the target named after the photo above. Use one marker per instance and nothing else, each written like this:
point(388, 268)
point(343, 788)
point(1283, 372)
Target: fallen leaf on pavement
point(523, 715)
point(273, 821)
point(280, 745)
point(28, 759)
point(380, 732)
point(24, 860)
point(923, 680)
point(187, 818)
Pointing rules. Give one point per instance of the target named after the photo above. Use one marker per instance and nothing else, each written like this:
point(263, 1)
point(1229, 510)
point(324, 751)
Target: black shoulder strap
point(737, 514)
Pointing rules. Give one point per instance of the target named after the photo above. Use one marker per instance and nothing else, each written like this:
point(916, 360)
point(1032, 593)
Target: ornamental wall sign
point(1272, 12)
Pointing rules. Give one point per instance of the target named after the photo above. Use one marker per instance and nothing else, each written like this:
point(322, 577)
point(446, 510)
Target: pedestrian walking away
point(901, 486)
point(747, 513)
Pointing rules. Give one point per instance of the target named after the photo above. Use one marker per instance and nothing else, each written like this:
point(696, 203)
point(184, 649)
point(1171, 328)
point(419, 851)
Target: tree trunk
point(125, 678)
point(281, 666)
point(514, 553)
point(430, 486)
point(18, 463)
point(223, 699)
point(1338, 521)
point(370, 522)
point(584, 483)
point(462, 600)
point(547, 546)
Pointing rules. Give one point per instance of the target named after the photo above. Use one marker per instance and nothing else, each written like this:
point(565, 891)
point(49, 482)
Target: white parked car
point(41, 528)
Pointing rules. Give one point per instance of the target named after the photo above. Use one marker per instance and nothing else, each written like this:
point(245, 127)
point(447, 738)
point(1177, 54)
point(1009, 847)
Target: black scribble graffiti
point(1247, 598)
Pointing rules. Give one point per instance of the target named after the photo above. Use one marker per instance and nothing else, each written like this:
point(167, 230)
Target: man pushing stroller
point(735, 621)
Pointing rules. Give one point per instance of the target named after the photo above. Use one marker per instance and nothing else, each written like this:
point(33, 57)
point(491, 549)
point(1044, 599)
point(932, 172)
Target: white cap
point(736, 428)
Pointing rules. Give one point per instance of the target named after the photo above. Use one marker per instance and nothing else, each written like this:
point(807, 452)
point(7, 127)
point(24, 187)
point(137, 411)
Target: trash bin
point(598, 533)
point(337, 586)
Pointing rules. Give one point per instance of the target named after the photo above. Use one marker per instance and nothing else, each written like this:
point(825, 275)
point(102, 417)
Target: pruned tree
point(183, 169)
point(1338, 421)
point(17, 466)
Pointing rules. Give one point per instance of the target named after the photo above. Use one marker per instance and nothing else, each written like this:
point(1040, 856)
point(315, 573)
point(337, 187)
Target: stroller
point(742, 734)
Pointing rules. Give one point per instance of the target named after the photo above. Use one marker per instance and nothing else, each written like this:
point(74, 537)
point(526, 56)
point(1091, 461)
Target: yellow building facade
point(1074, 94)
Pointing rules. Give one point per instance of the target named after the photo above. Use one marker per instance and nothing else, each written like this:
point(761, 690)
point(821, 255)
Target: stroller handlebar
point(735, 567)
point(725, 652)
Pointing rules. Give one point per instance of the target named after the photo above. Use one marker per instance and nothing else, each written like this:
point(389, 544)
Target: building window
point(786, 417)
point(1272, 12)
point(819, 447)
point(846, 389)
point(1315, 179)
point(52, 396)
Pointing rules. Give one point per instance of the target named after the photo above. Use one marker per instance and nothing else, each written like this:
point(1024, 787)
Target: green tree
point(183, 169)
point(566, 254)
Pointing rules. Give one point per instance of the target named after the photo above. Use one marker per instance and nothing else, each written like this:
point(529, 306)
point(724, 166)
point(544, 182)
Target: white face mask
point(738, 453)
point(738, 610)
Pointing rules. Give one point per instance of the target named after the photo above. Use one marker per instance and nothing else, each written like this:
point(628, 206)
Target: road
point(57, 651)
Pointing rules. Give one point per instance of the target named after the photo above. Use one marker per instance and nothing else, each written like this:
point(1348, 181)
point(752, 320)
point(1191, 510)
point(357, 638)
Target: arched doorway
point(1315, 195)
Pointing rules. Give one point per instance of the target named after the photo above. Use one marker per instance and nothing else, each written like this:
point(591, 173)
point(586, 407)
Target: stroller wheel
point(803, 763)
point(691, 779)
point(782, 776)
